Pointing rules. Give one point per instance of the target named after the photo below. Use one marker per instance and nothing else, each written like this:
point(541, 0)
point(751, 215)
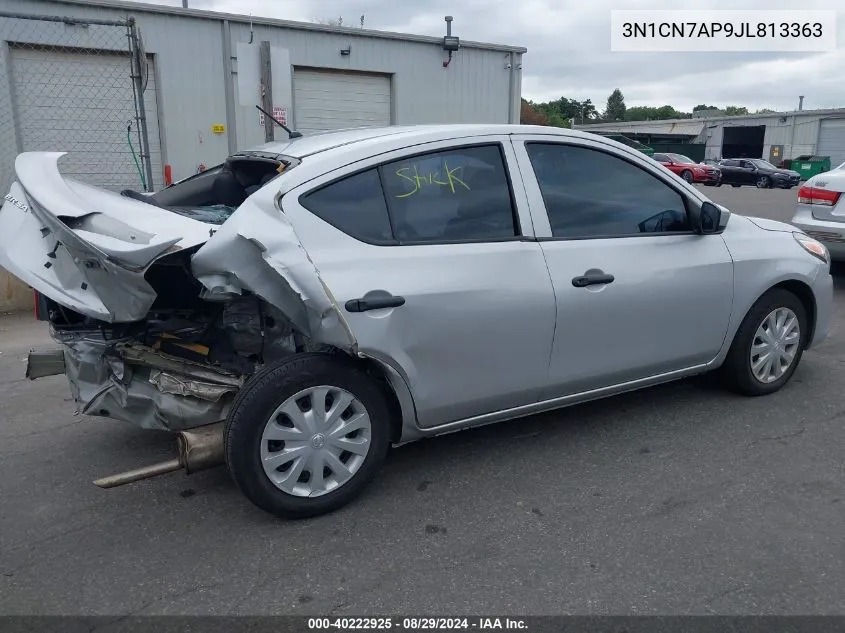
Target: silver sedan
point(820, 211)
point(302, 307)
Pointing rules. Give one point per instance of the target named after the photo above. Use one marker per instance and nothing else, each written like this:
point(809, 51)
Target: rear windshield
point(213, 195)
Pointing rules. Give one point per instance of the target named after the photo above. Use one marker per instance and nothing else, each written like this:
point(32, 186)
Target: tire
point(764, 182)
point(255, 412)
point(687, 175)
point(737, 371)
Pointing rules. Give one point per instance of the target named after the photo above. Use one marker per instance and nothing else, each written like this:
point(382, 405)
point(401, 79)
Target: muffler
point(199, 449)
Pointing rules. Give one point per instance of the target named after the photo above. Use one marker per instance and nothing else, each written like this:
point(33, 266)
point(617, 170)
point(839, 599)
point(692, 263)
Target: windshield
point(764, 164)
point(680, 158)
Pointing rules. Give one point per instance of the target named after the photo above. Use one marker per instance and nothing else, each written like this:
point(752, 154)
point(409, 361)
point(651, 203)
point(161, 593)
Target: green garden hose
point(134, 156)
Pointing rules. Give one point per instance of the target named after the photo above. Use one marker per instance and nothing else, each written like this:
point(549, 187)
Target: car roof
point(303, 146)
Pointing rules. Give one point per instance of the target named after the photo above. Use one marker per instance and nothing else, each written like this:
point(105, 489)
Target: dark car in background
point(757, 172)
point(688, 169)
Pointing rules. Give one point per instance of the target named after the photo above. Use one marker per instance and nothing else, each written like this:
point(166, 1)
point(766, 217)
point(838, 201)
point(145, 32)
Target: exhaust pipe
point(199, 449)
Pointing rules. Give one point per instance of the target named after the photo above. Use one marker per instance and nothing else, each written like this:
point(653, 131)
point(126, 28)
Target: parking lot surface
point(680, 499)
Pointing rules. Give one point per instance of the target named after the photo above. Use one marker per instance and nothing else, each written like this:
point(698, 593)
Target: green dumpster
point(810, 165)
point(645, 149)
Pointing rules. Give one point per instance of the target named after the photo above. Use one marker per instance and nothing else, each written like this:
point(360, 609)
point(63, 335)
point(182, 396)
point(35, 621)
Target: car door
point(639, 295)
point(431, 251)
point(731, 173)
point(748, 171)
point(666, 161)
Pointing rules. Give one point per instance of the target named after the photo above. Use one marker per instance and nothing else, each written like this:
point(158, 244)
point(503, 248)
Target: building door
point(82, 103)
point(335, 100)
point(832, 140)
point(775, 154)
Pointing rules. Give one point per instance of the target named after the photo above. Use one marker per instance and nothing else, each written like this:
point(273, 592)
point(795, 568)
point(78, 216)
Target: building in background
point(67, 84)
point(773, 136)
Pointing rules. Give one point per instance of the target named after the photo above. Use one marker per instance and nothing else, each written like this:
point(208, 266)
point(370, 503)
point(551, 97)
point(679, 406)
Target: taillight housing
point(820, 197)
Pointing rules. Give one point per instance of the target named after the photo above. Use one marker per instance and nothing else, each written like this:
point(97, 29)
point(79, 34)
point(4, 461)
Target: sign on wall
point(280, 113)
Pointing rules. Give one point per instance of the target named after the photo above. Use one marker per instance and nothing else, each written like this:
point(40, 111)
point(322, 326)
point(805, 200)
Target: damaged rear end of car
point(164, 305)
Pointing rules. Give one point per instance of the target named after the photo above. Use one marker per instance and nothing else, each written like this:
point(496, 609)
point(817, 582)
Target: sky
point(569, 48)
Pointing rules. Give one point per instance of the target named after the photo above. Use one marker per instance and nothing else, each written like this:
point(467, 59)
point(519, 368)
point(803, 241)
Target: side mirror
point(708, 219)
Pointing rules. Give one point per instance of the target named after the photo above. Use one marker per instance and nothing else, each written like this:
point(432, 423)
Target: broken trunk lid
point(84, 247)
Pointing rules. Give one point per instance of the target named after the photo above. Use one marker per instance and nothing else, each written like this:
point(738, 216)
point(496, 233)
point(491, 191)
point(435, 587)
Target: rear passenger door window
point(593, 194)
point(354, 205)
point(456, 195)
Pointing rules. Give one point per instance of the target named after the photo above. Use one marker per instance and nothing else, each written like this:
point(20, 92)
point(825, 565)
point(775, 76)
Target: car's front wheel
point(768, 344)
point(763, 182)
point(305, 437)
point(687, 175)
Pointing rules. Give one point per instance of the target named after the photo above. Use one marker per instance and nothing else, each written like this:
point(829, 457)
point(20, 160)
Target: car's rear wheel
point(763, 182)
point(687, 175)
point(768, 345)
point(307, 435)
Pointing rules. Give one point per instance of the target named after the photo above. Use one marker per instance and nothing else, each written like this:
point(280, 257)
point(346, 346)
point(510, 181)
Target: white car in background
point(820, 212)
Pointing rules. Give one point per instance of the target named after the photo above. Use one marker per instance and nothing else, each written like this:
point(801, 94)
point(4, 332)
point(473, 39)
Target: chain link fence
point(81, 86)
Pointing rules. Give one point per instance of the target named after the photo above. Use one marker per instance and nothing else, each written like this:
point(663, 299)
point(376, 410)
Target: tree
point(560, 112)
point(701, 107)
point(650, 113)
point(329, 21)
point(529, 115)
point(765, 111)
point(736, 110)
point(615, 110)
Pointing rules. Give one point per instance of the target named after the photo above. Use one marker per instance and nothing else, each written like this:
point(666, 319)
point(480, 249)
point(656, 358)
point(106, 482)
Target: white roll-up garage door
point(333, 100)
point(832, 141)
point(82, 103)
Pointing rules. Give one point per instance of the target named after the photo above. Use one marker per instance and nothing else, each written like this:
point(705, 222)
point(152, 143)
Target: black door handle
point(374, 303)
point(592, 280)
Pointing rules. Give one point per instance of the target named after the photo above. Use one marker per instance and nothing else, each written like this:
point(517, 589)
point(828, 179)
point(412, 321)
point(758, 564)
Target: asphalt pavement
point(682, 499)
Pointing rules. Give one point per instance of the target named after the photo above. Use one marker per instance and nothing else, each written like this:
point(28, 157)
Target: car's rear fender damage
point(245, 295)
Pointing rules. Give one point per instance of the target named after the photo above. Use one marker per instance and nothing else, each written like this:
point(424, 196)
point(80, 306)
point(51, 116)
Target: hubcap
point(315, 441)
point(762, 182)
point(775, 345)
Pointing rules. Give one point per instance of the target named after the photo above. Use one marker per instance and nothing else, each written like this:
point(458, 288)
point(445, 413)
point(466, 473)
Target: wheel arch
point(798, 287)
point(397, 393)
point(805, 294)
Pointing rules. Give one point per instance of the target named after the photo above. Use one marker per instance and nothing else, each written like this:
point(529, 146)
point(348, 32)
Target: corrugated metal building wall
point(796, 132)
point(204, 84)
point(793, 133)
point(196, 64)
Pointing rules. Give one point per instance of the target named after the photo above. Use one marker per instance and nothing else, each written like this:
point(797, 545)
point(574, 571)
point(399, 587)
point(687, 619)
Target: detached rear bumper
point(136, 384)
point(45, 363)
